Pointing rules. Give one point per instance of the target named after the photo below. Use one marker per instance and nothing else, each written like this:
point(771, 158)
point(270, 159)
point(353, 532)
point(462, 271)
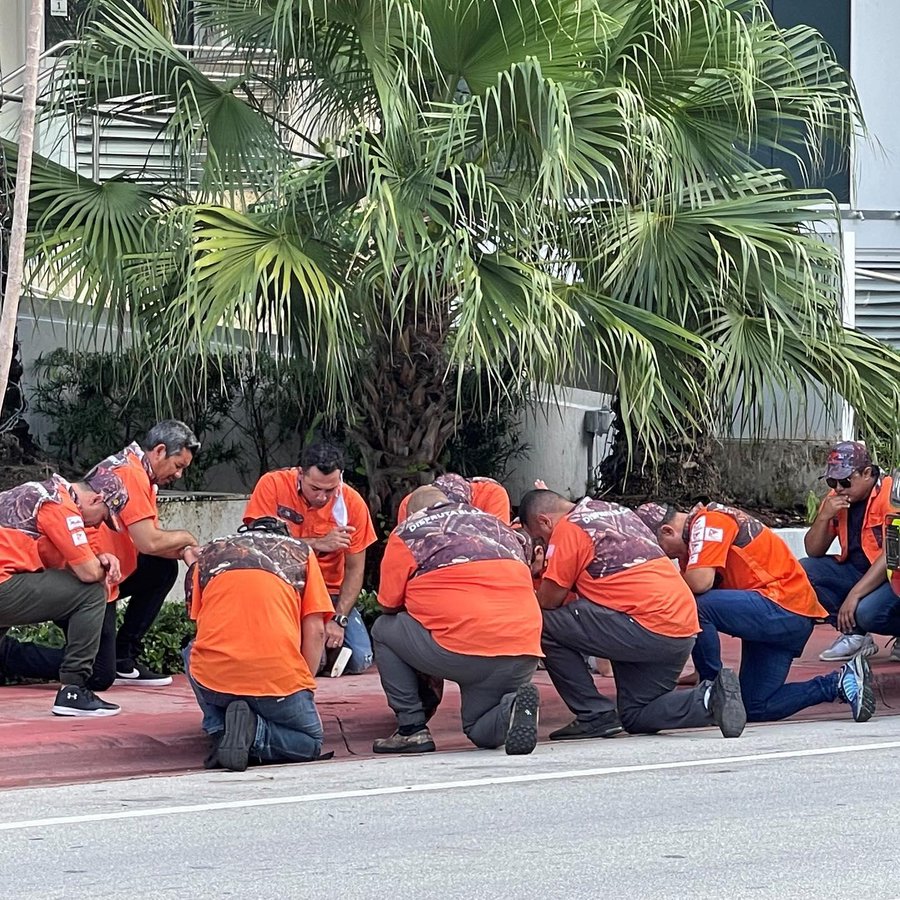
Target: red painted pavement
point(158, 730)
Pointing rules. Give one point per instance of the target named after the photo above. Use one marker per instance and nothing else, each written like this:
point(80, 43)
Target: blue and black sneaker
point(855, 687)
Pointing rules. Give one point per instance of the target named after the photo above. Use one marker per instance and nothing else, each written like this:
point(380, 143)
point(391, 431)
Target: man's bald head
point(423, 497)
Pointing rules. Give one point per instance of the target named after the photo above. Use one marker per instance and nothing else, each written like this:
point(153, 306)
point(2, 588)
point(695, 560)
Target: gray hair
point(175, 435)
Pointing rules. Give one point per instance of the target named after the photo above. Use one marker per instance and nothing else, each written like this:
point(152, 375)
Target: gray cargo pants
point(646, 667)
point(32, 597)
point(487, 684)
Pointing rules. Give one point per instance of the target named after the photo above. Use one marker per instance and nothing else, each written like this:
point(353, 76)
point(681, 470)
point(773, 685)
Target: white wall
point(560, 449)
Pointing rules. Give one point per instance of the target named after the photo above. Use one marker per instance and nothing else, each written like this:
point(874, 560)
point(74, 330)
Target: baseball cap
point(652, 515)
point(111, 489)
point(846, 458)
point(454, 487)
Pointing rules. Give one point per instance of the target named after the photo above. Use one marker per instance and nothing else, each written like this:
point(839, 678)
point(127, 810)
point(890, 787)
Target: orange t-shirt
point(249, 631)
point(649, 590)
point(277, 494)
point(56, 525)
point(102, 539)
point(485, 607)
point(487, 495)
point(141, 505)
point(748, 556)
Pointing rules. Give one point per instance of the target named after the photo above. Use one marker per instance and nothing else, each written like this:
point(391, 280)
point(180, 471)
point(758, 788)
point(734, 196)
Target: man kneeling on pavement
point(261, 605)
point(629, 606)
point(49, 572)
point(459, 604)
point(749, 585)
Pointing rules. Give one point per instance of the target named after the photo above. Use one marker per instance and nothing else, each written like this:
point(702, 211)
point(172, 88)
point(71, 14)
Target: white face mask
point(339, 510)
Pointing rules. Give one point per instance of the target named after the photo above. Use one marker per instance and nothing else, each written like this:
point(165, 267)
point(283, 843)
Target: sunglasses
point(835, 482)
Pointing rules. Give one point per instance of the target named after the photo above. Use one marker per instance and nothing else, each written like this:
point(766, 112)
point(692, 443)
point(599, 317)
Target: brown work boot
point(418, 742)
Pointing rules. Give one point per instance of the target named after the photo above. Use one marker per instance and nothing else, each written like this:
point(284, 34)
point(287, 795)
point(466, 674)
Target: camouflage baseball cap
point(454, 487)
point(652, 515)
point(846, 458)
point(110, 487)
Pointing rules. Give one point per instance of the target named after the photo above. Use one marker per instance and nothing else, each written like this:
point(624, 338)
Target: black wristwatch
point(340, 620)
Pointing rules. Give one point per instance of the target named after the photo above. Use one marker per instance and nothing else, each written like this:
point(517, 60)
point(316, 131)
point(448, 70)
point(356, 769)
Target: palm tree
point(406, 190)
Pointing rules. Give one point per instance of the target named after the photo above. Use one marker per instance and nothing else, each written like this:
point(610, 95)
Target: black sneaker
point(129, 672)
point(77, 700)
point(727, 705)
point(240, 733)
point(607, 726)
point(521, 738)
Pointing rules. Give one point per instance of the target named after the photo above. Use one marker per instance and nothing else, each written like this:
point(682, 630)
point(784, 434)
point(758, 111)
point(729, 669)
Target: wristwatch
point(340, 620)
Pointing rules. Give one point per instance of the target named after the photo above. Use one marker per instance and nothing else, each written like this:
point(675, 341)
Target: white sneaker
point(848, 645)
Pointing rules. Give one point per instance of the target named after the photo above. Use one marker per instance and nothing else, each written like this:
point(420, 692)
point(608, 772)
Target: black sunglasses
point(834, 482)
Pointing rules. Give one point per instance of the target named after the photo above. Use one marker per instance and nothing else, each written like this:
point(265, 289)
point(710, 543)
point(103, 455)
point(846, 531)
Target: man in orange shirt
point(149, 553)
point(853, 585)
point(629, 606)
point(456, 590)
point(260, 604)
point(748, 584)
point(483, 493)
point(49, 518)
point(333, 519)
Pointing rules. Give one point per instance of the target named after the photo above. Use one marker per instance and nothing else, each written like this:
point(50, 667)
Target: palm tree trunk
point(19, 228)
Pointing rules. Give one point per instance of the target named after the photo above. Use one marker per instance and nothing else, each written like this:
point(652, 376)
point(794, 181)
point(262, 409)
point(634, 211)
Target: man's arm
point(397, 567)
point(312, 640)
point(89, 571)
point(820, 537)
point(700, 579)
point(875, 576)
point(354, 569)
point(550, 595)
point(152, 540)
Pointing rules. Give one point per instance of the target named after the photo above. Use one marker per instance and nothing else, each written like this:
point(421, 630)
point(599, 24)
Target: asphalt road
point(789, 811)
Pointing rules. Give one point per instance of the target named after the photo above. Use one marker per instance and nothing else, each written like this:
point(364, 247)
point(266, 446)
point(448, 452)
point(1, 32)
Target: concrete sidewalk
point(158, 731)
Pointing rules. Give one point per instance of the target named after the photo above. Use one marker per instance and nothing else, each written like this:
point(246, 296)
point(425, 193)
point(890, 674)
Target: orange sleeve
point(315, 597)
point(263, 501)
point(141, 503)
point(397, 567)
point(712, 534)
point(62, 525)
point(491, 497)
point(401, 510)
point(358, 516)
point(569, 552)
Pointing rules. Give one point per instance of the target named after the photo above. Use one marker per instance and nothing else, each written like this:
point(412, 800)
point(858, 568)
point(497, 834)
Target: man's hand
point(111, 564)
point(846, 617)
point(336, 539)
point(540, 485)
point(832, 505)
point(334, 635)
point(190, 555)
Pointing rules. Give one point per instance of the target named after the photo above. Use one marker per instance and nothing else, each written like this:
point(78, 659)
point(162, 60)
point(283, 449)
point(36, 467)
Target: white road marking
point(441, 786)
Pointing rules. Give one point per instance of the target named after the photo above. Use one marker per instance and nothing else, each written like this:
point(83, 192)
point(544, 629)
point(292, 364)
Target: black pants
point(646, 667)
point(147, 587)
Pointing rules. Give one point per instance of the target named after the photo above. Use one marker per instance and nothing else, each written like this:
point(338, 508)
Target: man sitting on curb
point(749, 585)
point(458, 602)
point(51, 516)
point(853, 586)
point(334, 520)
point(632, 608)
point(260, 604)
point(483, 493)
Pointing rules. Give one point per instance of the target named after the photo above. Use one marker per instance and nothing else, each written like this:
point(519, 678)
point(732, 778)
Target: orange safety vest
point(878, 507)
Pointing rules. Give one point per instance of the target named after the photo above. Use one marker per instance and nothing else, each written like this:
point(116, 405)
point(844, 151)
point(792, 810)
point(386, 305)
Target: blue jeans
point(356, 637)
point(770, 639)
point(288, 729)
point(878, 611)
